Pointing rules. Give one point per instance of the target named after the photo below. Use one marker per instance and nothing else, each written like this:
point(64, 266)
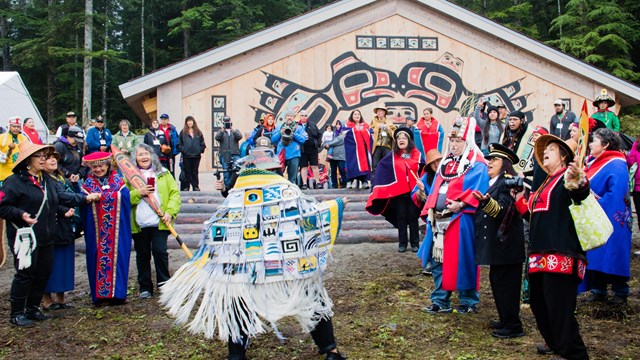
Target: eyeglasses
point(305, 115)
point(41, 156)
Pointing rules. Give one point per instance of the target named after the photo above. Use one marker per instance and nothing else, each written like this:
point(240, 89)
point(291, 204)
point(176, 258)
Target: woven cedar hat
point(569, 146)
point(26, 149)
point(503, 152)
point(96, 158)
point(433, 155)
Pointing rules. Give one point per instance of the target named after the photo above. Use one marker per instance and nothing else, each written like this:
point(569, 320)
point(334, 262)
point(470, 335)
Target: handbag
point(591, 222)
point(25, 241)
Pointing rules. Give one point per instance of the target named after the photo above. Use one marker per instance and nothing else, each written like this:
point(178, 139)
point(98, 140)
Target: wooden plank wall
point(488, 63)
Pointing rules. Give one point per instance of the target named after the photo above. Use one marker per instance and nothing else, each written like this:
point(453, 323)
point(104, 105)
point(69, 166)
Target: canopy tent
point(16, 101)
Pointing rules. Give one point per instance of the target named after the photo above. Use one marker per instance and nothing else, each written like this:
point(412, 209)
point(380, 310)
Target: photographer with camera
point(309, 155)
point(229, 150)
point(500, 239)
point(290, 137)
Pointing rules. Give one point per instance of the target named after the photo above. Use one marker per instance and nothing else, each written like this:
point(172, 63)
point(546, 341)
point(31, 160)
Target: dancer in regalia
point(392, 185)
point(449, 213)
point(261, 258)
point(357, 146)
point(107, 231)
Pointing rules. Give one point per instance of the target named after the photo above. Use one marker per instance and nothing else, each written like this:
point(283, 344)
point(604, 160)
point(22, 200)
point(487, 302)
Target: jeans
point(442, 297)
point(338, 165)
point(225, 165)
point(292, 169)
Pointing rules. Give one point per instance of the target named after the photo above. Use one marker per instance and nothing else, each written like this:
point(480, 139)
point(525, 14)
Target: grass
point(378, 296)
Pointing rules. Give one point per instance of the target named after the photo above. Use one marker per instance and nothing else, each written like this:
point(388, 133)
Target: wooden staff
point(134, 177)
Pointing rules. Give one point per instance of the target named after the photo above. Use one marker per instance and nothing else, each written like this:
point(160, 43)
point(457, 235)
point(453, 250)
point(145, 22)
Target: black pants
point(505, 285)
point(338, 165)
point(553, 302)
point(322, 336)
point(28, 284)
point(190, 170)
point(406, 214)
point(379, 153)
point(149, 241)
point(636, 203)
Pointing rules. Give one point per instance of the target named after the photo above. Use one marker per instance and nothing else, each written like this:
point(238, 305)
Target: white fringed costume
point(261, 258)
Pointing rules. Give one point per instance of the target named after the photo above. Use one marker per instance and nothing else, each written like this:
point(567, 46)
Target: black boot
point(21, 320)
point(335, 356)
point(34, 313)
point(17, 316)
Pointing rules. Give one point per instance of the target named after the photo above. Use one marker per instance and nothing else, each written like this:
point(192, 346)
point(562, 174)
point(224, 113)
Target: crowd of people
point(51, 195)
point(494, 191)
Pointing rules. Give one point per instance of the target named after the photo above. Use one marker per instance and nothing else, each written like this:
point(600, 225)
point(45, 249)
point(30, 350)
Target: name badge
point(559, 126)
point(128, 144)
point(156, 142)
point(103, 142)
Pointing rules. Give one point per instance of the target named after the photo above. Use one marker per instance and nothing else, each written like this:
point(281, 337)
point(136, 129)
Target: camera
point(227, 122)
point(515, 182)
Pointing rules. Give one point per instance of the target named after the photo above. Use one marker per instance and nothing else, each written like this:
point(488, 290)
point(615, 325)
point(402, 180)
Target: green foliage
point(196, 16)
point(45, 38)
point(630, 124)
point(602, 33)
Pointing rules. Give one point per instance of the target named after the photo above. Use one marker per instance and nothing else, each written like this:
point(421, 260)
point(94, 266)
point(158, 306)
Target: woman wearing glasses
point(29, 205)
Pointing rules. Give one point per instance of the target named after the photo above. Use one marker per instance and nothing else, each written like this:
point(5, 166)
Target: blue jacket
point(293, 149)
point(93, 139)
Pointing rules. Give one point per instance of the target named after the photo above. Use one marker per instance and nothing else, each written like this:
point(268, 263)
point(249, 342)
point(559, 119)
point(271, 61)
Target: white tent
point(16, 101)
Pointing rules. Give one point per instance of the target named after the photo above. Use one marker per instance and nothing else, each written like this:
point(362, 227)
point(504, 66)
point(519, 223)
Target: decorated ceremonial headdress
point(97, 158)
point(15, 120)
point(604, 97)
point(463, 128)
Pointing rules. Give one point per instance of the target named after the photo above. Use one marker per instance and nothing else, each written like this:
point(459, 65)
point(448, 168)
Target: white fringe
point(233, 308)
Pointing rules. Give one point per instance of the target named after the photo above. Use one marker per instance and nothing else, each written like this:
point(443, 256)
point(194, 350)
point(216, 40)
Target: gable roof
point(15, 100)
point(628, 93)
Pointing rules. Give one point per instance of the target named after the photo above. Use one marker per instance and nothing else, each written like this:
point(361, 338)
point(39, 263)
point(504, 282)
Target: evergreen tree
point(601, 32)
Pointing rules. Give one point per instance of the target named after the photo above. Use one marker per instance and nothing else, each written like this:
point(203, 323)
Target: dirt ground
point(378, 295)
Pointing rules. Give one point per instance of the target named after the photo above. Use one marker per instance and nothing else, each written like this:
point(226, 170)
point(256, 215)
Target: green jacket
point(125, 143)
point(169, 198)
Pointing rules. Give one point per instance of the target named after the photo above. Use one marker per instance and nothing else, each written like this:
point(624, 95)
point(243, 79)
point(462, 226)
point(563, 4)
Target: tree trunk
point(76, 98)
point(51, 80)
point(104, 61)
point(6, 50)
point(185, 39)
point(142, 64)
point(88, 47)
